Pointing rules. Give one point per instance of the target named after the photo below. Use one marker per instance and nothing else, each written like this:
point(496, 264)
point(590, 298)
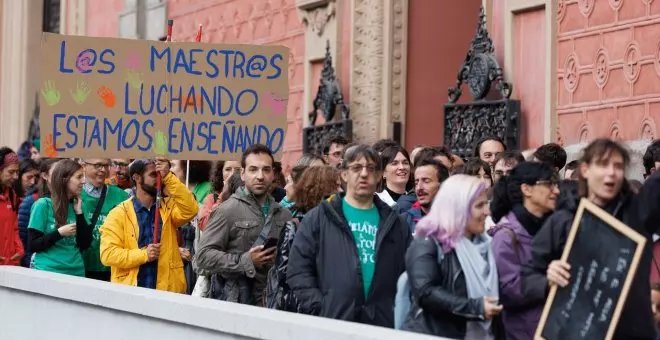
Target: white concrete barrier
point(36, 305)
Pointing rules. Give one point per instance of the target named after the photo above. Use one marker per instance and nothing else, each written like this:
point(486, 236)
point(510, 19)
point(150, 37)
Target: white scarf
point(478, 264)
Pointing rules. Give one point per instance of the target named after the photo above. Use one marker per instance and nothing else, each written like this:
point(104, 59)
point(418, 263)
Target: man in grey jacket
point(232, 245)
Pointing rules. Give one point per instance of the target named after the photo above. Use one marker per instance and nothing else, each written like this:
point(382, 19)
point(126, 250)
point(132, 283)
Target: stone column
point(378, 67)
point(20, 66)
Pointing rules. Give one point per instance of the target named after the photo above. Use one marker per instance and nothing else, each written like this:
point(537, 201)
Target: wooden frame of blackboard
point(620, 227)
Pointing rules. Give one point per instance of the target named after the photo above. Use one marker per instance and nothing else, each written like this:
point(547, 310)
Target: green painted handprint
point(135, 79)
point(50, 93)
point(82, 91)
point(160, 144)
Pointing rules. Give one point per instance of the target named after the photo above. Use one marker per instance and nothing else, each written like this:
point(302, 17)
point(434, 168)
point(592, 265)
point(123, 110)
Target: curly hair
point(315, 184)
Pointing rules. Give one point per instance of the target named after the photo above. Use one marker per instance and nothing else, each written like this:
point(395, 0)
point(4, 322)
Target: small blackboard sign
point(603, 254)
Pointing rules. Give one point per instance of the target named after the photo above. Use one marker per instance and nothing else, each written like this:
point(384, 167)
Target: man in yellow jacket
point(127, 242)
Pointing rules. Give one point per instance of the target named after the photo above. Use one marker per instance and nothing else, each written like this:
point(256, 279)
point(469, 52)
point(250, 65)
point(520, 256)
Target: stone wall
point(608, 69)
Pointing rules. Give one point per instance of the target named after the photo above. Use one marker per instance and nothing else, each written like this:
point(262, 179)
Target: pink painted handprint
point(133, 61)
point(275, 103)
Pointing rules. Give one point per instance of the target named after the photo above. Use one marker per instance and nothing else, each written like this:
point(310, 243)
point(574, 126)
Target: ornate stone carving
point(615, 131)
point(616, 4)
point(631, 62)
point(367, 68)
point(561, 10)
point(571, 76)
point(399, 51)
point(316, 19)
point(328, 99)
point(329, 96)
point(465, 124)
point(647, 130)
point(480, 68)
point(601, 70)
point(586, 7)
point(583, 134)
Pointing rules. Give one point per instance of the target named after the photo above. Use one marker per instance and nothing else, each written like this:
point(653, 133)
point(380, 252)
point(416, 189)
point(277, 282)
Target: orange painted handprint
point(106, 96)
point(50, 149)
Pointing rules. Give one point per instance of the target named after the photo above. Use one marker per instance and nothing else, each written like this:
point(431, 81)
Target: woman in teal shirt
point(58, 232)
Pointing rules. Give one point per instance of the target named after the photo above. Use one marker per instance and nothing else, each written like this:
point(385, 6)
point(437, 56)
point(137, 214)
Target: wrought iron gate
point(328, 99)
point(466, 124)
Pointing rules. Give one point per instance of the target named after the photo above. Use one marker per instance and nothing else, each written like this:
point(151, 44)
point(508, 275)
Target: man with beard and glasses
point(239, 242)
point(127, 236)
point(98, 199)
point(429, 175)
point(119, 175)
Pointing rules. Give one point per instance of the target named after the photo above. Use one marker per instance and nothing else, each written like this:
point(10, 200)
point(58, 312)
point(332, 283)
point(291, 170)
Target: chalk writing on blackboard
point(591, 275)
point(603, 254)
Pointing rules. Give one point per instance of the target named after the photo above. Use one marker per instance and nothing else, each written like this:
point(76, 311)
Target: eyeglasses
point(550, 183)
point(357, 168)
point(99, 166)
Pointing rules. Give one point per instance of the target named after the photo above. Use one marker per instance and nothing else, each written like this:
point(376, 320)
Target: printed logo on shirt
point(365, 239)
point(96, 233)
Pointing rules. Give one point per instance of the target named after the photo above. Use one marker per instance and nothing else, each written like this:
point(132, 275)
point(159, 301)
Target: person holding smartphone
point(58, 232)
point(233, 250)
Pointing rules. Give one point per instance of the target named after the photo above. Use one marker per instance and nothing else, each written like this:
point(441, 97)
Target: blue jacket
point(413, 215)
point(23, 221)
point(405, 202)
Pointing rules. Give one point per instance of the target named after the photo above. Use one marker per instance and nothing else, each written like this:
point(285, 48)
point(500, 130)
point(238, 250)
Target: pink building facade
point(581, 68)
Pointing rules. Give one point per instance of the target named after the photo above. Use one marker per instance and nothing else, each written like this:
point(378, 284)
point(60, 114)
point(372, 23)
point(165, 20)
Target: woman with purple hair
point(450, 265)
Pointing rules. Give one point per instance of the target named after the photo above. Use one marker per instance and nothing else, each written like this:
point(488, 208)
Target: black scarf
point(530, 222)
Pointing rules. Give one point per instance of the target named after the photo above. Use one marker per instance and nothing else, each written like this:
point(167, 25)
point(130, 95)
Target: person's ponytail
point(500, 203)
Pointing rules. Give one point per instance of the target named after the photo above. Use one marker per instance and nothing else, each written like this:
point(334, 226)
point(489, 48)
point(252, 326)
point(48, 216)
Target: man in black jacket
point(349, 251)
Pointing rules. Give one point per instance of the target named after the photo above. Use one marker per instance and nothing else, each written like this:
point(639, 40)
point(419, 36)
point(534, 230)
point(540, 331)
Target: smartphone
point(271, 242)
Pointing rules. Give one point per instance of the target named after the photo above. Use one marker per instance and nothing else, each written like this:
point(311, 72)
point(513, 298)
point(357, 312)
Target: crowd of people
point(422, 241)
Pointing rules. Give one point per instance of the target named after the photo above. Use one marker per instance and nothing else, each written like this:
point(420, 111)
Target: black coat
point(440, 290)
point(640, 212)
point(324, 268)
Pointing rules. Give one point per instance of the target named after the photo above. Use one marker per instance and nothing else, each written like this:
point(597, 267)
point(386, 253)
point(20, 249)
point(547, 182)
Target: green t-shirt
point(201, 190)
point(364, 224)
point(64, 256)
point(113, 197)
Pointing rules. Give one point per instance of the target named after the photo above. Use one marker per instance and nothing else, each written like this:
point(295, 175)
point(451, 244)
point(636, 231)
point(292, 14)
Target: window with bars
point(51, 16)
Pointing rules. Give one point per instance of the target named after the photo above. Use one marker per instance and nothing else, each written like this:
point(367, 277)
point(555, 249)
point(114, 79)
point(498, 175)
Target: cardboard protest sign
point(120, 98)
point(604, 254)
